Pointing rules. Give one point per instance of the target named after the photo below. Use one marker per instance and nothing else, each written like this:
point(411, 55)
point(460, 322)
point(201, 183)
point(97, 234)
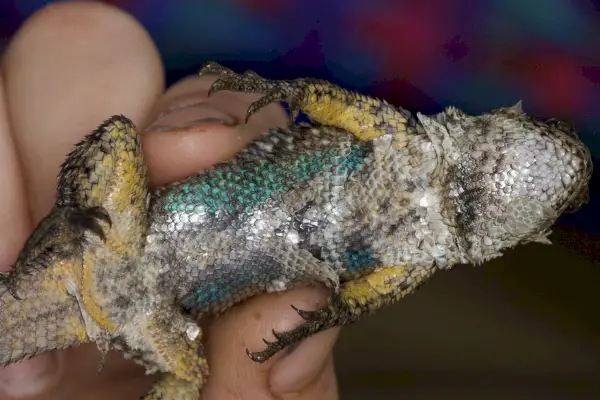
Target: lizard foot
point(249, 82)
point(355, 298)
point(323, 102)
point(335, 314)
point(214, 68)
point(82, 220)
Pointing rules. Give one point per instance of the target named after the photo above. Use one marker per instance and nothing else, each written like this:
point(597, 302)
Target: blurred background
point(526, 326)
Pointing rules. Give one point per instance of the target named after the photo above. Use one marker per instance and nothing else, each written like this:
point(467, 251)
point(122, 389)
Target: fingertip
point(32, 377)
point(323, 386)
point(70, 66)
point(177, 154)
point(245, 326)
point(13, 203)
point(303, 366)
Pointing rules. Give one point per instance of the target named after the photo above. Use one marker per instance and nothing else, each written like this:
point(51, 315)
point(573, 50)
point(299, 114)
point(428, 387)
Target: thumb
point(304, 371)
point(33, 376)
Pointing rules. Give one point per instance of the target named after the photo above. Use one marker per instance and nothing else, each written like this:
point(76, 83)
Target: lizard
point(367, 199)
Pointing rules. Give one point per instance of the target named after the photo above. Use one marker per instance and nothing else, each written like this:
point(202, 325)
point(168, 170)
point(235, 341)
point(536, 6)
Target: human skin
point(68, 68)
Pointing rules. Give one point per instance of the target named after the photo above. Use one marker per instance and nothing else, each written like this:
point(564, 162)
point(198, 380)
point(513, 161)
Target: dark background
point(525, 326)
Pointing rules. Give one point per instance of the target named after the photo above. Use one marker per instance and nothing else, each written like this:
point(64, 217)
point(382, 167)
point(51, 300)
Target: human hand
point(70, 67)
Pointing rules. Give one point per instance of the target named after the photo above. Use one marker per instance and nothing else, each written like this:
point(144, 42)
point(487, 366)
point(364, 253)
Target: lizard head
point(508, 177)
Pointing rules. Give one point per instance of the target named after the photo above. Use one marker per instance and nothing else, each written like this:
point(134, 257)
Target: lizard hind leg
point(355, 298)
point(325, 103)
point(176, 344)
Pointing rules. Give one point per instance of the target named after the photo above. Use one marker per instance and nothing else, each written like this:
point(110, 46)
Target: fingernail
point(303, 364)
point(189, 112)
point(30, 377)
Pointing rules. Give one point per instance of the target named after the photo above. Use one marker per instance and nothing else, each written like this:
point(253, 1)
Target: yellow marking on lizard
point(342, 109)
point(90, 305)
point(126, 194)
point(172, 388)
point(114, 178)
point(52, 282)
point(77, 329)
point(371, 289)
point(61, 272)
point(117, 182)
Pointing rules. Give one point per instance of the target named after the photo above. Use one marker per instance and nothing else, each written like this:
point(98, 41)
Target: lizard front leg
point(45, 317)
point(325, 103)
point(39, 310)
point(41, 297)
point(355, 298)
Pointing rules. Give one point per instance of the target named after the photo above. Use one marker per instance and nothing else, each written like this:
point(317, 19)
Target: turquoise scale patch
point(355, 260)
point(223, 289)
point(220, 291)
point(233, 187)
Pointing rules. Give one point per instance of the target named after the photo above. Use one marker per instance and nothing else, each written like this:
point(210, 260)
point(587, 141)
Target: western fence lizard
point(369, 200)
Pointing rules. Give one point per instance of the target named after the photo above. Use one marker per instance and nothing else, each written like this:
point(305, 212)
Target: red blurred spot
point(408, 37)
point(557, 80)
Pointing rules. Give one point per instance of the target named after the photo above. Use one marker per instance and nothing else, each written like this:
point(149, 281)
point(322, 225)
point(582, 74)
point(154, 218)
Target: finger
point(22, 378)
point(307, 372)
point(13, 202)
point(290, 373)
point(324, 386)
point(182, 140)
point(71, 66)
point(68, 69)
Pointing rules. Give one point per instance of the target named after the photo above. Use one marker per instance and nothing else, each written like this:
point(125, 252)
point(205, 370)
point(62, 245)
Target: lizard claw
point(286, 339)
point(87, 220)
point(316, 315)
point(56, 236)
point(335, 314)
point(276, 94)
point(277, 335)
point(292, 92)
point(214, 68)
point(223, 84)
point(279, 92)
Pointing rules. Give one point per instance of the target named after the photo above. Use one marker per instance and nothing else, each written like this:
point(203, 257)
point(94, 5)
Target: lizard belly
point(225, 283)
point(210, 269)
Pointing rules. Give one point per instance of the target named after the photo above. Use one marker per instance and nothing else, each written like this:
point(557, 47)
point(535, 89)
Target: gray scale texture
point(314, 204)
